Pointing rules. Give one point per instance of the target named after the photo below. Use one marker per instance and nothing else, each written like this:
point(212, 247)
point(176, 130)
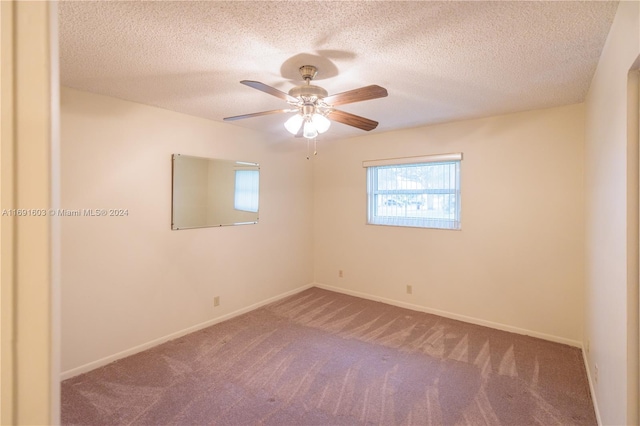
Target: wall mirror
point(212, 192)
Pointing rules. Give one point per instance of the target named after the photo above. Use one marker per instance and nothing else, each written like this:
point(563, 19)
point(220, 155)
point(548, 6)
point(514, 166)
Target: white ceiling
point(439, 61)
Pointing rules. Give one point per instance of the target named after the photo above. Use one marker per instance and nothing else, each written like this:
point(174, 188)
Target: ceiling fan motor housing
point(307, 91)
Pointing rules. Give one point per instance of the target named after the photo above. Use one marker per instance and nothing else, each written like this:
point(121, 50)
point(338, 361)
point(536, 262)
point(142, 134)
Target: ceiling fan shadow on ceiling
point(313, 106)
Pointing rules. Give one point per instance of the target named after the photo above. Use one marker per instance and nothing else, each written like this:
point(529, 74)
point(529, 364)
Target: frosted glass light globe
point(309, 131)
point(321, 122)
point(293, 124)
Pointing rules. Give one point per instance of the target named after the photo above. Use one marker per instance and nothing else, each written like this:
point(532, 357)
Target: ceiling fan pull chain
point(315, 147)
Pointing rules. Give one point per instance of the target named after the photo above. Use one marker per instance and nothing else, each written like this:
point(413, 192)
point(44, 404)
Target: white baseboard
point(123, 354)
point(454, 316)
point(591, 387)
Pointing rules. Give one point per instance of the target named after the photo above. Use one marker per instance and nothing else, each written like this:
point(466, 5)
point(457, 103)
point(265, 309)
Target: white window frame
point(373, 192)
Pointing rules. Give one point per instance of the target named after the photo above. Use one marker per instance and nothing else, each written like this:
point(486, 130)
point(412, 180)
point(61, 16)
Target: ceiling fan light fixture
point(293, 124)
point(310, 130)
point(312, 105)
point(320, 122)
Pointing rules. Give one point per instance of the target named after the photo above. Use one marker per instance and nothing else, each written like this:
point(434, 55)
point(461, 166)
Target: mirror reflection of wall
point(213, 192)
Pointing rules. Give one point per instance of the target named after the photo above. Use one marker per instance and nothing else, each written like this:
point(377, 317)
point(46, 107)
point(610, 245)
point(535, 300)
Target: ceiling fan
point(313, 107)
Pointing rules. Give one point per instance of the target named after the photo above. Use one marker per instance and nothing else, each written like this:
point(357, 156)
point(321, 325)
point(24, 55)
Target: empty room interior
point(459, 246)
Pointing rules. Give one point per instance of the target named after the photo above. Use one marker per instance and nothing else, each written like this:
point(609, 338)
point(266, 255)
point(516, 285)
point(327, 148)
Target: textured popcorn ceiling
point(440, 61)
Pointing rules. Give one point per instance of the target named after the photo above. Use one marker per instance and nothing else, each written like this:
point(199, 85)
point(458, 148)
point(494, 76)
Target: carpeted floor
point(323, 358)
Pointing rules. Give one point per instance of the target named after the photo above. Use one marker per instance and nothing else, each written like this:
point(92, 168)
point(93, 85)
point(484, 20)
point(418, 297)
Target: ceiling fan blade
point(257, 114)
point(270, 90)
point(357, 95)
point(353, 120)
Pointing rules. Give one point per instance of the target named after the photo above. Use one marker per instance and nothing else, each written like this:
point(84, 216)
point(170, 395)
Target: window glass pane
point(423, 195)
point(246, 190)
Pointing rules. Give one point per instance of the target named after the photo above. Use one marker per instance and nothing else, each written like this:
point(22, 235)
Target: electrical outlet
point(216, 301)
point(409, 289)
point(340, 274)
point(595, 376)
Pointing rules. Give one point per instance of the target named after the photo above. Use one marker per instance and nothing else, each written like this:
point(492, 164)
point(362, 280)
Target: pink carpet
point(323, 358)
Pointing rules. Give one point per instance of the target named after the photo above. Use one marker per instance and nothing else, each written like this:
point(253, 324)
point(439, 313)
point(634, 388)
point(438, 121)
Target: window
point(246, 190)
point(419, 191)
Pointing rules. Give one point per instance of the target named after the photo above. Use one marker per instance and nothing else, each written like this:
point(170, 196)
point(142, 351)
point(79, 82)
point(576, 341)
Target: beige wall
point(128, 281)
point(516, 264)
point(611, 308)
